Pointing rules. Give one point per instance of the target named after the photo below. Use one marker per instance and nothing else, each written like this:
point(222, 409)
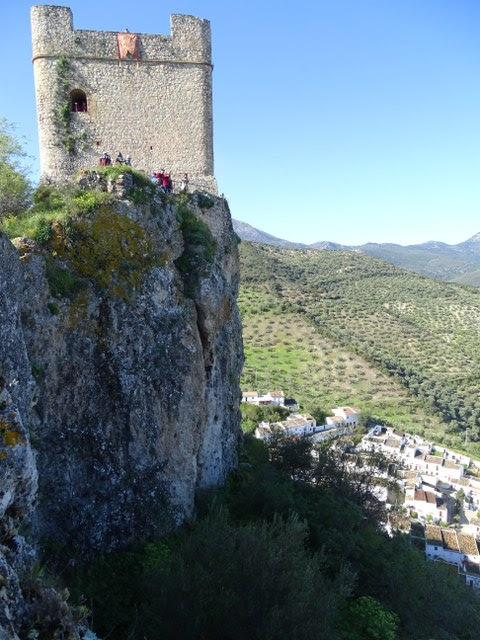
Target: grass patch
point(54, 205)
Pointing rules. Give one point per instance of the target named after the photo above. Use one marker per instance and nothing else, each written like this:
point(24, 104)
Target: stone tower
point(148, 96)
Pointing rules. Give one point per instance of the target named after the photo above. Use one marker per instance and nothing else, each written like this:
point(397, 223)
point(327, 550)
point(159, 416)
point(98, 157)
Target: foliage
point(63, 283)
point(53, 308)
point(50, 615)
point(204, 202)
point(290, 547)
point(54, 205)
point(253, 414)
point(367, 619)
point(319, 414)
point(143, 190)
point(37, 371)
point(418, 333)
point(110, 250)
point(87, 241)
point(113, 585)
point(15, 189)
point(283, 350)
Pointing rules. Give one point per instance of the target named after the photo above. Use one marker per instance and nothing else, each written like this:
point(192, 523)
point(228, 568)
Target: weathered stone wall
point(158, 110)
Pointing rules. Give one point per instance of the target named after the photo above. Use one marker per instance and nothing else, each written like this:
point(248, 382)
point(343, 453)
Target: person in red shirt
point(166, 182)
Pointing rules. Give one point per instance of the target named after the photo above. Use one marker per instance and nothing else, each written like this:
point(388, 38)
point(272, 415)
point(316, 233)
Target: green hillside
point(440, 262)
point(345, 327)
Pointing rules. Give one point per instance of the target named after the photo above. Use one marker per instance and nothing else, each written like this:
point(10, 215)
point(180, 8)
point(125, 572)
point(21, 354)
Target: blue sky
point(341, 120)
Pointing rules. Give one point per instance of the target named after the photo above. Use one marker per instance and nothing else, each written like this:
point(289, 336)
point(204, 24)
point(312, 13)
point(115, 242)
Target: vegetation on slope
point(291, 547)
point(86, 240)
point(440, 262)
point(283, 350)
point(420, 332)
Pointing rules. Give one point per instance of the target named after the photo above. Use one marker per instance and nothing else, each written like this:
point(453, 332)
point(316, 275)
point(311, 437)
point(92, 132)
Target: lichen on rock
point(134, 402)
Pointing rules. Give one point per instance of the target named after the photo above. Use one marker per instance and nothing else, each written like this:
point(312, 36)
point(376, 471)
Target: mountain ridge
point(456, 262)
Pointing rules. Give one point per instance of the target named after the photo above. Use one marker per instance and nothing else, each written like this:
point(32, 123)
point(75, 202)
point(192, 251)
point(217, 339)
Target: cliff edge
point(120, 359)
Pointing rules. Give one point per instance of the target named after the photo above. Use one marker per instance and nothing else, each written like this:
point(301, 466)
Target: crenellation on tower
point(151, 100)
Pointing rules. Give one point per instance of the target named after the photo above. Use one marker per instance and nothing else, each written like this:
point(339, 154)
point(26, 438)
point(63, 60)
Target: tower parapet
point(146, 95)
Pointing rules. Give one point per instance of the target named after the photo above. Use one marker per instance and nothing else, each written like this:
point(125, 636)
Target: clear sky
point(341, 120)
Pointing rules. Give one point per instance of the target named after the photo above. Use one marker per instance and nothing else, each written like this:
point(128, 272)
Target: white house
point(349, 415)
point(450, 546)
point(436, 467)
point(324, 433)
point(471, 572)
point(272, 397)
point(427, 503)
point(278, 397)
point(295, 425)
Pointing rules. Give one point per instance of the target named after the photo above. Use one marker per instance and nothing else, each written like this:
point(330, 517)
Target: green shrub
point(53, 308)
point(43, 232)
point(45, 197)
point(204, 202)
point(367, 619)
point(87, 202)
point(62, 282)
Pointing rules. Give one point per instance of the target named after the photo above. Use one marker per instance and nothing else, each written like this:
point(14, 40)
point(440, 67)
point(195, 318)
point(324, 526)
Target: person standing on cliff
point(184, 185)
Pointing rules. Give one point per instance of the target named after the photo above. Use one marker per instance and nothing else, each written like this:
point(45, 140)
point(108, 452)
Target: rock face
point(134, 399)
point(18, 472)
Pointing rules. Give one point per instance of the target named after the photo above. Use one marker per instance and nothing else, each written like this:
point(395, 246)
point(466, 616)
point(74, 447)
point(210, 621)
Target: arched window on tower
point(78, 100)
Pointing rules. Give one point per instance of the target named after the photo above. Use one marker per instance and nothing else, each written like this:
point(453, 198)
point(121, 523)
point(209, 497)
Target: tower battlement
point(146, 95)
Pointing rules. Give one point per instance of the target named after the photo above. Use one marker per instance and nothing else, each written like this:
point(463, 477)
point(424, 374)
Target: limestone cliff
point(120, 357)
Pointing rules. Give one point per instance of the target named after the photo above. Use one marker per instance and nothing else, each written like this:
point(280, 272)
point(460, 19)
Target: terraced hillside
point(338, 326)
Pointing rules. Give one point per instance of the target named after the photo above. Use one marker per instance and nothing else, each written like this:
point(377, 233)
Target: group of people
point(164, 180)
point(106, 159)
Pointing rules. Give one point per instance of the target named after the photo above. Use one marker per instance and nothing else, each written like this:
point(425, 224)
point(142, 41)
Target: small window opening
point(151, 148)
point(78, 101)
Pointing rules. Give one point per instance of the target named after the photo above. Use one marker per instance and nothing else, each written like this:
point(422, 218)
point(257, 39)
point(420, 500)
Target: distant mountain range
point(452, 262)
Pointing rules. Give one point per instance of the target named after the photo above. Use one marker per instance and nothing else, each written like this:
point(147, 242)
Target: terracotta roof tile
point(449, 464)
point(467, 544)
point(433, 534)
point(450, 540)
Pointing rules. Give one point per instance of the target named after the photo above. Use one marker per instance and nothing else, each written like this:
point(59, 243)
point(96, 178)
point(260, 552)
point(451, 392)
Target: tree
point(319, 414)
point(367, 619)
point(15, 189)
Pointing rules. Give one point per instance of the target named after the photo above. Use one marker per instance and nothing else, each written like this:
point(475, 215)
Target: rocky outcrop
point(27, 605)
point(120, 358)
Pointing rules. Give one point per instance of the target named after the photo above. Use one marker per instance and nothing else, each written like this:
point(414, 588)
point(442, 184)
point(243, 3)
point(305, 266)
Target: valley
point(337, 326)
